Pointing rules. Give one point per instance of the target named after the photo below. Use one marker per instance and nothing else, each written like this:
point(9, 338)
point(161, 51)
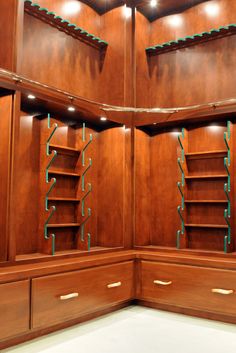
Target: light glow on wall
point(212, 10)
point(71, 7)
point(175, 20)
point(127, 11)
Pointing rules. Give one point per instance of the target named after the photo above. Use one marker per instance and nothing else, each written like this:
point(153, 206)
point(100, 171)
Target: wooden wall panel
point(26, 184)
point(163, 189)
point(66, 63)
point(142, 189)
point(195, 75)
point(110, 187)
point(8, 31)
point(5, 128)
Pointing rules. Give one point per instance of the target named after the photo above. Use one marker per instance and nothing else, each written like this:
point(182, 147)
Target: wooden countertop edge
point(17, 272)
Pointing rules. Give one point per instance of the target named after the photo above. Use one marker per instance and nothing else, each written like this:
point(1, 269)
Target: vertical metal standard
point(227, 187)
point(180, 185)
point(83, 186)
point(52, 181)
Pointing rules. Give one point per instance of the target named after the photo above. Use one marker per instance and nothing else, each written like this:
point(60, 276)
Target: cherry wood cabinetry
point(59, 298)
point(15, 309)
point(208, 289)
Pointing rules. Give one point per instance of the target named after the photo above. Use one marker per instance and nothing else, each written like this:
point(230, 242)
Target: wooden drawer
point(190, 287)
point(63, 297)
point(14, 309)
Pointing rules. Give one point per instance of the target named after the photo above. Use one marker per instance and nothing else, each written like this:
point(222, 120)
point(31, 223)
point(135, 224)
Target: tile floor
point(137, 330)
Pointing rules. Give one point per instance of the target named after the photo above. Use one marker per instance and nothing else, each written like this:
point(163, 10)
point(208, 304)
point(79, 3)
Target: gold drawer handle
point(69, 296)
point(113, 285)
point(162, 283)
point(222, 291)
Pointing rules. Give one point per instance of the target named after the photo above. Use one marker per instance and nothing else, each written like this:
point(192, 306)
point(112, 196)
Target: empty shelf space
point(206, 226)
point(63, 199)
point(59, 172)
point(206, 201)
point(207, 154)
point(64, 150)
point(212, 176)
point(63, 225)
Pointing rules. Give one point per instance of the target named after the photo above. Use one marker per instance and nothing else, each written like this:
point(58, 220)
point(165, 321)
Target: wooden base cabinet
point(207, 289)
point(63, 297)
point(14, 309)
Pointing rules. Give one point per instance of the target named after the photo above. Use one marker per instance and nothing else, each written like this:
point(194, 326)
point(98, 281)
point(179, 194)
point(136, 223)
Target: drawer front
point(14, 309)
point(191, 287)
point(63, 297)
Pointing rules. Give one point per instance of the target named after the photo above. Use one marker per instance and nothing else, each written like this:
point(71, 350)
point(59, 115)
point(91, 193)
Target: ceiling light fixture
point(71, 109)
point(127, 11)
point(103, 118)
point(153, 3)
point(31, 96)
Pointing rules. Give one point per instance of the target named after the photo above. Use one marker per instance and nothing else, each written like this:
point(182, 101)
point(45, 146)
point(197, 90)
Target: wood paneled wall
point(195, 75)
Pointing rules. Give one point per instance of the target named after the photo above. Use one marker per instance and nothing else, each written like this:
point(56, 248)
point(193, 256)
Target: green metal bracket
point(180, 186)
point(83, 224)
point(179, 209)
point(226, 139)
point(52, 181)
point(226, 190)
point(228, 237)
point(83, 185)
point(84, 197)
point(226, 165)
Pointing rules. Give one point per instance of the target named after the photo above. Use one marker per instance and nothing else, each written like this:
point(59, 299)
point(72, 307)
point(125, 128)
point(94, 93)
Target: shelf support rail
point(180, 186)
point(85, 146)
point(52, 181)
point(227, 188)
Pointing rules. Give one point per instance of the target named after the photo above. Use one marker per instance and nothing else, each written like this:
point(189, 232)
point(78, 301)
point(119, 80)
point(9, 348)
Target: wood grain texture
point(91, 286)
point(5, 156)
point(189, 287)
point(14, 306)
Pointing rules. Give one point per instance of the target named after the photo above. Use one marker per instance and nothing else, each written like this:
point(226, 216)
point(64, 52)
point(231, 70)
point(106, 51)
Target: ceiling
point(164, 8)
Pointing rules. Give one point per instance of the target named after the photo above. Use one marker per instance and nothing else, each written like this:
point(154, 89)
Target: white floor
point(138, 330)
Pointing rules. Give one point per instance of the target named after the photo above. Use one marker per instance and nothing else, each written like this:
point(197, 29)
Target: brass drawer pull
point(222, 291)
point(162, 283)
point(113, 285)
point(69, 296)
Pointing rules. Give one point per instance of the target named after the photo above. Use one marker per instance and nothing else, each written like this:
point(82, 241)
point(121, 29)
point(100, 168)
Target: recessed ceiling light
point(103, 118)
point(71, 7)
point(71, 109)
point(212, 9)
point(154, 123)
point(31, 96)
point(153, 3)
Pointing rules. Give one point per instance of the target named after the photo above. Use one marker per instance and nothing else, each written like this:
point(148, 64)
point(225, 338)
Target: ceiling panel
point(164, 7)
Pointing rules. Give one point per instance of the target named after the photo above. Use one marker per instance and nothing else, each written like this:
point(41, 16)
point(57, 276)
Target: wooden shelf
point(58, 172)
point(187, 41)
point(206, 226)
point(216, 176)
point(206, 201)
point(64, 150)
point(64, 225)
point(64, 25)
point(206, 155)
point(63, 199)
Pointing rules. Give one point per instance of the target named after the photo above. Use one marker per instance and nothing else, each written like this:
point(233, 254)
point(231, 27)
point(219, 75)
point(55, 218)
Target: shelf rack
point(188, 41)
point(227, 187)
point(64, 25)
point(51, 156)
point(180, 209)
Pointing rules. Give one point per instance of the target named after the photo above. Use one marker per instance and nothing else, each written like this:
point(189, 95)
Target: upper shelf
point(64, 25)
point(192, 40)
